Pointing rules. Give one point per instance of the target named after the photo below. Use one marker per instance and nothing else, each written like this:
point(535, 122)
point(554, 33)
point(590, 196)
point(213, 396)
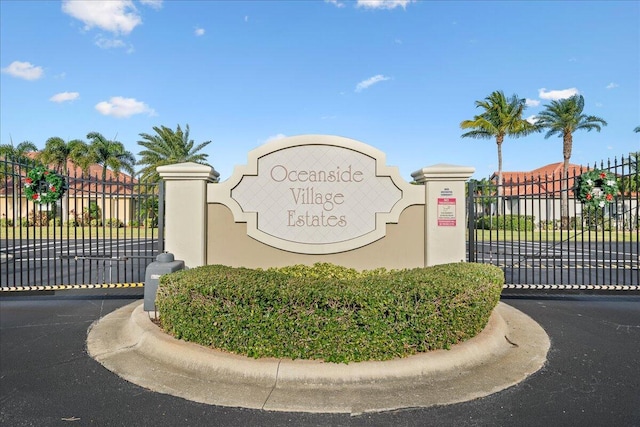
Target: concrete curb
point(509, 349)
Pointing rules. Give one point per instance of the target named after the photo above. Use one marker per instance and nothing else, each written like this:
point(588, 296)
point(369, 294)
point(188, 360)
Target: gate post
point(186, 204)
point(445, 211)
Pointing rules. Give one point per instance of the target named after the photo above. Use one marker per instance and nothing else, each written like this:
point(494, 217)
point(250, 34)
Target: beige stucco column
point(445, 212)
point(185, 212)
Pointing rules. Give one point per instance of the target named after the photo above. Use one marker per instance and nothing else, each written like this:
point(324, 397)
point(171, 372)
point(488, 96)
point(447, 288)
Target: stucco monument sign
point(315, 198)
point(318, 195)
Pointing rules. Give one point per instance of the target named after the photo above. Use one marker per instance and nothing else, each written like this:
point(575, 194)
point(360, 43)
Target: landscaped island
point(327, 312)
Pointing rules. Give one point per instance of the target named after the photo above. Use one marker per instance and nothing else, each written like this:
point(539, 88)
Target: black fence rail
point(102, 232)
point(544, 237)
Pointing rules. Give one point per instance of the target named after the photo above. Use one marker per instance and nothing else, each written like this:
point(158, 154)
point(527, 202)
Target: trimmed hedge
point(328, 312)
point(506, 222)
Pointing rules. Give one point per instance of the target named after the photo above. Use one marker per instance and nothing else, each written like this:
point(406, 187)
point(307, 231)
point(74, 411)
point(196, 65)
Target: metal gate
point(519, 226)
point(103, 232)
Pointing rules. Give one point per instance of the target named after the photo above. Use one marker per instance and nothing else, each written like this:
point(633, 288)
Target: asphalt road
point(69, 262)
point(592, 376)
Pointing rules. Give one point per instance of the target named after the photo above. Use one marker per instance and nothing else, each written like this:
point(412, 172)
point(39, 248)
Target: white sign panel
point(317, 194)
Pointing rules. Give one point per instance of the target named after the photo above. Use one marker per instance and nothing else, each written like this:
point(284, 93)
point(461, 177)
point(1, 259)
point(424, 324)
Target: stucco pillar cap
point(188, 171)
point(443, 172)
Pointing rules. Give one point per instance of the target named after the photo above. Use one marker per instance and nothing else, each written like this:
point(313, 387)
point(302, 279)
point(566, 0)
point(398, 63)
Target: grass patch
point(326, 312)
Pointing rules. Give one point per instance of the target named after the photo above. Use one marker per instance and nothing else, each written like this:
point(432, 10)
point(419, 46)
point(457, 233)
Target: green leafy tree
point(631, 182)
point(57, 152)
point(110, 155)
point(167, 147)
point(19, 152)
point(484, 194)
point(12, 157)
point(563, 118)
point(501, 117)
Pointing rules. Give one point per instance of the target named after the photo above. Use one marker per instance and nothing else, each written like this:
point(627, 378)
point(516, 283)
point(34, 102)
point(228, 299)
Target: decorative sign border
point(223, 193)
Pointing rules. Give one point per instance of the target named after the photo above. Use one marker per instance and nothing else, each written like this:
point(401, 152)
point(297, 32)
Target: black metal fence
point(544, 237)
point(102, 232)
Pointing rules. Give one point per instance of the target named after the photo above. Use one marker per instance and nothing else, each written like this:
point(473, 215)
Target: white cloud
point(64, 97)
point(370, 82)
point(199, 32)
point(116, 16)
point(612, 85)
point(156, 4)
point(384, 4)
point(106, 43)
point(532, 119)
point(336, 3)
point(121, 107)
point(24, 70)
point(557, 94)
point(532, 102)
point(275, 137)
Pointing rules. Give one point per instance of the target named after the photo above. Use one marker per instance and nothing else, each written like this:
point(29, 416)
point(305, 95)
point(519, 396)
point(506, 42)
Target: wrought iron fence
point(102, 232)
point(535, 227)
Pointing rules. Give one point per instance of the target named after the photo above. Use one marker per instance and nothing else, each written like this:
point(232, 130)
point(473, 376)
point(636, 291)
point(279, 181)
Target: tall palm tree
point(14, 158)
point(110, 155)
point(167, 147)
point(501, 117)
point(563, 118)
point(19, 152)
point(57, 152)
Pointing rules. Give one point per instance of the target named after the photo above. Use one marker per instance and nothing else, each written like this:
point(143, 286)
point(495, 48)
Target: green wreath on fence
point(596, 188)
point(43, 186)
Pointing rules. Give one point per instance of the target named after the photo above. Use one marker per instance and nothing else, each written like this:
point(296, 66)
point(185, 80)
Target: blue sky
point(399, 75)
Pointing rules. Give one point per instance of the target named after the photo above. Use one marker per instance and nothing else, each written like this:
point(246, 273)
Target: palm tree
point(14, 158)
point(167, 147)
point(110, 155)
point(501, 117)
point(562, 118)
point(18, 153)
point(57, 152)
point(15, 154)
point(637, 129)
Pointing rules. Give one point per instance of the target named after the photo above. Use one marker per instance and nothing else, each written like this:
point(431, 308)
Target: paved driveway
point(47, 379)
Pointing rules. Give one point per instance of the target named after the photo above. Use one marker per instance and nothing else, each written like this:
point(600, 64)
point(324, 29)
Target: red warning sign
point(446, 211)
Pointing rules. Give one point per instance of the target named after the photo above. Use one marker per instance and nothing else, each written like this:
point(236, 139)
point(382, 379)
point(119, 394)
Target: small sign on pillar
point(446, 211)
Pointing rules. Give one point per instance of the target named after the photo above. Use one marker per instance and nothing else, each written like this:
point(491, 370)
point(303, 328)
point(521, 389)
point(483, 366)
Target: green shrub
point(506, 222)
point(113, 223)
point(6, 222)
point(95, 223)
point(72, 223)
point(134, 223)
point(328, 312)
point(55, 222)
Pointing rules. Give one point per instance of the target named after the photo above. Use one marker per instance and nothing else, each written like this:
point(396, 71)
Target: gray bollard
point(164, 264)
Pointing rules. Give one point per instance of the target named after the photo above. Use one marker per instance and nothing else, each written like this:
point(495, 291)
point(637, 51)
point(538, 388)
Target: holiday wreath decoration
point(43, 186)
point(596, 188)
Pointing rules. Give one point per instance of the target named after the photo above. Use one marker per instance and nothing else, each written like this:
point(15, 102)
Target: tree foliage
point(110, 155)
point(501, 116)
point(167, 147)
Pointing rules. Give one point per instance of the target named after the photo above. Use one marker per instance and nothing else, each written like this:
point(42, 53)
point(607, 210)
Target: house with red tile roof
point(538, 192)
point(117, 196)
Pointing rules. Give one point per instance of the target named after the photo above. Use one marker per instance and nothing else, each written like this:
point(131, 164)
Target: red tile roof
point(543, 180)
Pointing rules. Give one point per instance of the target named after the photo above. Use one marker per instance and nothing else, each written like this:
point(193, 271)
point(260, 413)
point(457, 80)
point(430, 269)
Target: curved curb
point(509, 349)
